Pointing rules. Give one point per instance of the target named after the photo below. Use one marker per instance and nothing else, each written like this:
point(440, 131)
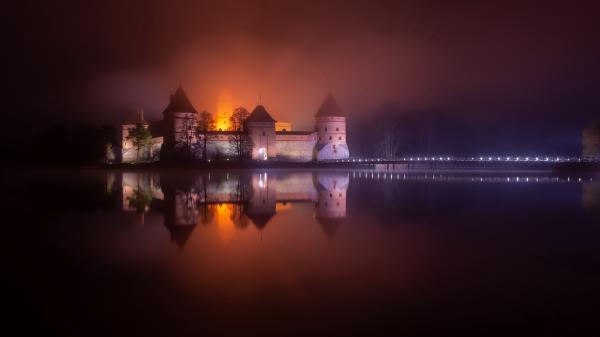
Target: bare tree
point(389, 141)
point(239, 141)
point(591, 140)
point(186, 147)
point(204, 124)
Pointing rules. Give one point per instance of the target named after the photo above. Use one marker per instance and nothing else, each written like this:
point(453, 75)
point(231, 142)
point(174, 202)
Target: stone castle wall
point(295, 148)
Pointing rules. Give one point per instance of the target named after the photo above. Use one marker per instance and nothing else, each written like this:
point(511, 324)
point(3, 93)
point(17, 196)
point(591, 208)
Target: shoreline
point(584, 167)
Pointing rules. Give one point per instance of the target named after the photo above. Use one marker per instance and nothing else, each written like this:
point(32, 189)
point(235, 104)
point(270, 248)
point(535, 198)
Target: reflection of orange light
point(280, 206)
point(224, 110)
point(225, 224)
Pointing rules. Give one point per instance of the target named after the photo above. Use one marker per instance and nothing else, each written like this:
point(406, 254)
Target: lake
point(348, 252)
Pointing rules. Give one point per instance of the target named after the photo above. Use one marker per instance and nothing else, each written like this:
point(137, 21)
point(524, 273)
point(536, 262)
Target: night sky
point(524, 74)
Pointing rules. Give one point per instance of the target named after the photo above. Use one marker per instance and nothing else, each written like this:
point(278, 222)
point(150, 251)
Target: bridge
point(376, 175)
point(451, 161)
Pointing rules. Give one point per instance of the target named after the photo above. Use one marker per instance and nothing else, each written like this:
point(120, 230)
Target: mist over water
point(332, 252)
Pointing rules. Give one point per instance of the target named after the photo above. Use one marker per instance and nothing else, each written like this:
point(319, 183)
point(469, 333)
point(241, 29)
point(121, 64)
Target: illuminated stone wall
point(284, 146)
point(296, 148)
point(130, 154)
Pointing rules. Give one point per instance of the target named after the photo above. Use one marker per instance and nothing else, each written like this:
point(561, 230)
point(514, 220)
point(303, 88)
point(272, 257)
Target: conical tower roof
point(179, 103)
point(260, 220)
point(180, 233)
point(330, 226)
point(330, 108)
point(260, 115)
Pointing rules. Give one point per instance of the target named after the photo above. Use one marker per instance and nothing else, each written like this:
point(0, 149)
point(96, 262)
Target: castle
point(267, 138)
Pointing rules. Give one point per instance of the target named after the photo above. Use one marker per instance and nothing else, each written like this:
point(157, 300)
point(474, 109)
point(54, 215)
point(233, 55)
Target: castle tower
point(261, 204)
point(331, 205)
point(261, 129)
point(181, 214)
point(179, 119)
point(331, 131)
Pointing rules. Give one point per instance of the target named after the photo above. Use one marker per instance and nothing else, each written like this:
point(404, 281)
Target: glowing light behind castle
point(224, 110)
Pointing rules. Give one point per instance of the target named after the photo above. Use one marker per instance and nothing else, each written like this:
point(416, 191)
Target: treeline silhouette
point(392, 131)
point(395, 134)
point(82, 144)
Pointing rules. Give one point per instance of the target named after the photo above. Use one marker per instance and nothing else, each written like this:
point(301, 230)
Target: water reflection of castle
point(232, 201)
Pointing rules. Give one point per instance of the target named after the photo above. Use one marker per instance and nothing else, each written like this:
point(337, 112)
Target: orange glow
point(224, 222)
point(283, 126)
point(224, 110)
point(282, 206)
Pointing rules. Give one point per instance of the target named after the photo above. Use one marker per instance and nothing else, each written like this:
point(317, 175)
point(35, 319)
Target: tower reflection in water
point(231, 201)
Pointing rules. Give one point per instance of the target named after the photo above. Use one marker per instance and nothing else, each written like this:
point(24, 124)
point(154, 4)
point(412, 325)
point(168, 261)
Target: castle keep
point(267, 139)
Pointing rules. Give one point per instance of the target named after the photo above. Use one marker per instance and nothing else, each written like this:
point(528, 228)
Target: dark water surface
point(297, 252)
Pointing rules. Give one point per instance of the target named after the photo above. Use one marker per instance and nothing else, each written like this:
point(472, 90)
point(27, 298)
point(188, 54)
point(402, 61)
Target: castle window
point(340, 138)
point(340, 194)
point(329, 137)
point(330, 195)
point(264, 133)
point(325, 129)
point(337, 129)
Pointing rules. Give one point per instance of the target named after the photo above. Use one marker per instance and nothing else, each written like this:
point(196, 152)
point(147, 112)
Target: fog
point(487, 64)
